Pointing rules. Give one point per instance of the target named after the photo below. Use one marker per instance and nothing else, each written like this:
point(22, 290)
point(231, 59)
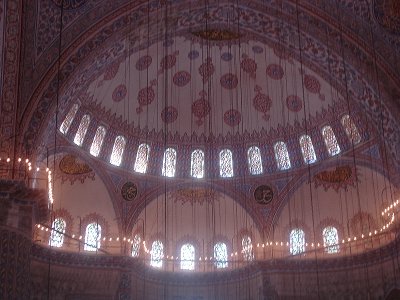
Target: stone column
point(20, 209)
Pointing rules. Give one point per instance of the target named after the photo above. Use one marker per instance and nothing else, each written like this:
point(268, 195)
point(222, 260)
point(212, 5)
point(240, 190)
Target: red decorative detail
point(249, 66)
point(262, 102)
point(169, 114)
point(340, 177)
point(168, 62)
point(207, 69)
point(119, 93)
point(143, 63)
point(275, 71)
point(229, 81)
point(111, 71)
point(201, 108)
point(313, 85)
point(181, 78)
point(232, 117)
point(283, 53)
point(146, 96)
point(294, 103)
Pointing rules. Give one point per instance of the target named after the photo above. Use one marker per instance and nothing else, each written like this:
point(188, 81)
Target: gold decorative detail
point(263, 194)
point(193, 195)
point(340, 177)
point(70, 165)
point(129, 191)
point(217, 34)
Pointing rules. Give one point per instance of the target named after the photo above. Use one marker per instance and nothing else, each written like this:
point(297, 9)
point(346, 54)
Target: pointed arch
point(351, 129)
point(330, 140)
point(169, 163)
point(197, 163)
point(69, 118)
point(282, 156)
point(92, 237)
point(225, 163)
point(97, 142)
point(118, 150)
point(307, 149)
point(142, 158)
point(82, 129)
point(254, 160)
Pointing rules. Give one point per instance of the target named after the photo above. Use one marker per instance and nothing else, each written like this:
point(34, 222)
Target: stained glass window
point(142, 158)
point(331, 239)
point(297, 241)
point(82, 129)
point(136, 245)
point(118, 150)
point(220, 255)
point(254, 160)
point(57, 232)
point(69, 118)
point(247, 248)
point(187, 257)
point(282, 156)
point(92, 237)
point(225, 163)
point(98, 141)
point(157, 254)
point(169, 162)
point(330, 141)
point(351, 129)
point(197, 164)
point(307, 149)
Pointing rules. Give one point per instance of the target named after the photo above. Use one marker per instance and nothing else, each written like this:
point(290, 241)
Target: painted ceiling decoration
point(264, 194)
point(194, 195)
point(129, 191)
point(73, 168)
point(337, 178)
point(217, 34)
point(387, 13)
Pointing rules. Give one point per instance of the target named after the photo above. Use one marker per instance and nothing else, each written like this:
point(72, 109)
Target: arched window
point(92, 237)
point(331, 239)
point(57, 232)
point(330, 141)
point(98, 141)
point(254, 160)
point(282, 156)
point(225, 163)
point(307, 149)
point(82, 129)
point(69, 118)
point(297, 241)
point(247, 248)
point(142, 158)
point(220, 255)
point(157, 254)
point(351, 130)
point(136, 245)
point(187, 257)
point(197, 164)
point(118, 150)
point(169, 162)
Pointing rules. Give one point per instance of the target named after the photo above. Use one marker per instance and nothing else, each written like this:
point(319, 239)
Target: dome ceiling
point(188, 87)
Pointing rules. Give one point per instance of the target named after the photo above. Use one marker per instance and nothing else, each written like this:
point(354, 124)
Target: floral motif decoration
point(73, 169)
point(167, 62)
point(193, 195)
point(207, 69)
point(387, 14)
point(229, 81)
point(340, 177)
point(249, 66)
point(143, 63)
point(217, 34)
point(283, 53)
point(169, 114)
point(146, 96)
point(109, 73)
point(181, 78)
point(119, 93)
point(70, 4)
point(275, 71)
point(294, 103)
point(201, 108)
point(232, 117)
point(262, 102)
point(313, 85)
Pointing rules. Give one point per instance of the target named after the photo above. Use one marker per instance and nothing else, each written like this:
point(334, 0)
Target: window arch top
point(187, 257)
point(82, 129)
point(331, 239)
point(57, 232)
point(225, 163)
point(297, 241)
point(98, 141)
point(92, 237)
point(69, 118)
point(307, 149)
point(351, 129)
point(136, 245)
point(156, 254)
point(247, 248)
point(254, 160)
point(330, 141)
point(220, 255)
point(169, 163)
point(197, 164)
point(118, 150)
point(142, 158)
point(282, 156)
